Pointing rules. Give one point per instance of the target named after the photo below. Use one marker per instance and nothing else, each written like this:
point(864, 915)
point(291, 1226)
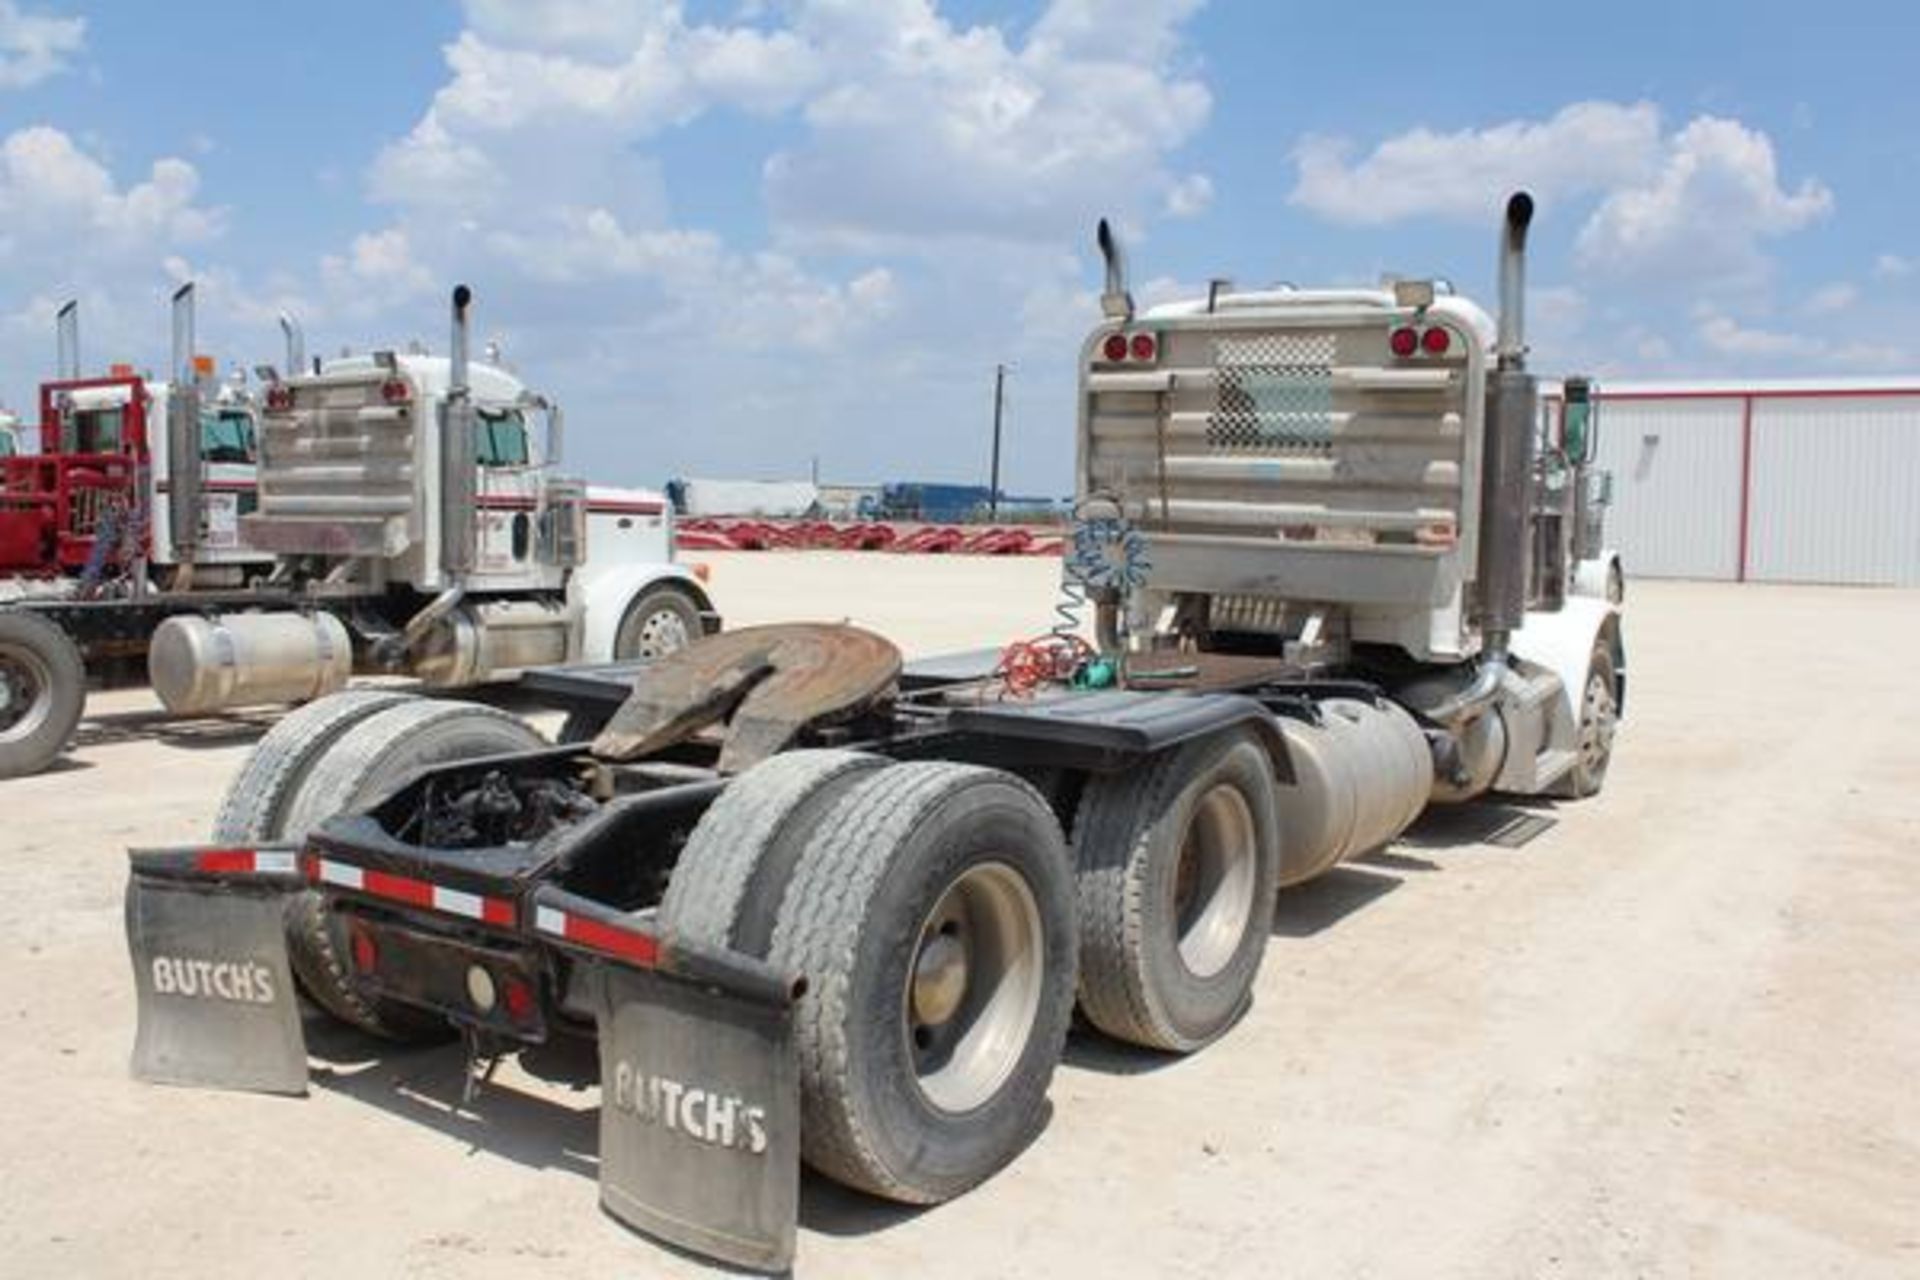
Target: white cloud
point(56, 199)
point(1891, 266)
point(930, 131)
point(1189, 197)
point(35, 46)
point(1832, 298)
point(1465, 175)
point(1775, 351)
point(1701, 221)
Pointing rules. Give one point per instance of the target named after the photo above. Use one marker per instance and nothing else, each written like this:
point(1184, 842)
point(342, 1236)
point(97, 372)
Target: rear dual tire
point(930, 906)
point(1176, 865)
point(331, 756)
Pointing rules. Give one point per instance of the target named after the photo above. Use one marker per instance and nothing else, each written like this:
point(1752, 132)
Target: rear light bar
point(1139, 347)
point(410, 891)
point(1408, 340)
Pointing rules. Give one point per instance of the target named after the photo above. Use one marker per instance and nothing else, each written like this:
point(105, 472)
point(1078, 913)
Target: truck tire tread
point(818, 935)
point(67, 696)
point(1116, 824)
point(763, 818)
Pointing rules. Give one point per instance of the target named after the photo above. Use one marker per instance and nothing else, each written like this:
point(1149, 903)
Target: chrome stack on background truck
point(403, 518)
point(819, 905)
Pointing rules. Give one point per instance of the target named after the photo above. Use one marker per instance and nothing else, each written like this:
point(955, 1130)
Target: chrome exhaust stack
point(1506, 478)
point(1116, 301)
point(184, 471)
point(457, 496)
point(296, 345)
point(66, 332)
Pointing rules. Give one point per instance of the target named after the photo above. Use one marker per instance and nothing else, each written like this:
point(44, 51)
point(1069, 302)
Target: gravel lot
point(1677, 1034)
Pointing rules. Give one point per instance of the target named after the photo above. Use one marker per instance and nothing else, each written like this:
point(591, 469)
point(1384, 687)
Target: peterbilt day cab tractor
point(817, 905)
point(407, 522)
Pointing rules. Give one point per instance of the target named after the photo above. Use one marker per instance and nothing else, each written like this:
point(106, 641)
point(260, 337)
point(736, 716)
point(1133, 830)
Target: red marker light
point(1115, 347)
point(366, 957)
point(1404, 341)
point(1143, 346)
point(279, 399)
point(395, 391)
point(1436, 341)
point(518, 997)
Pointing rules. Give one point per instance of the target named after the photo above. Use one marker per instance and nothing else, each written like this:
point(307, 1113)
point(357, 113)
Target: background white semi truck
point(817, 905)
point(408, 520)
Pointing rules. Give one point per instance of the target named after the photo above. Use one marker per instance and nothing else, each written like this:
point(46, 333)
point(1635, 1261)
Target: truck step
point(1552, 765)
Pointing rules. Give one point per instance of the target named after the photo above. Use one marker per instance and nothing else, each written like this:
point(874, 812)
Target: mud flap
point(217, 1007)
point(700, 1094)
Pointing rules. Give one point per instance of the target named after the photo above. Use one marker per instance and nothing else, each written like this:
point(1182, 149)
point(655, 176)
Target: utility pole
point(999, 402)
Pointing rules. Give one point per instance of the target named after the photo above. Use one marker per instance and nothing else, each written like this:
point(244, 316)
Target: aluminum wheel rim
point(1213, 882)
point(662, 632)
point(972, 989)
point(1597, 723)
point(28, 692)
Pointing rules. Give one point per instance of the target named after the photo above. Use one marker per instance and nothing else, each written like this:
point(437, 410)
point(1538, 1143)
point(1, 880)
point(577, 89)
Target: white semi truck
point(408, 520)
point(819, 906)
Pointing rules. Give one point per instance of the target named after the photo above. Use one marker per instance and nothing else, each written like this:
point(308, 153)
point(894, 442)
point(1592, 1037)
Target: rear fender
point(700, 1094)
point(216, 1002)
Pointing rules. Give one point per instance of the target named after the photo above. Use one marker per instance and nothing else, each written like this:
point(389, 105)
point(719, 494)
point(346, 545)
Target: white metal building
point(1815, 481)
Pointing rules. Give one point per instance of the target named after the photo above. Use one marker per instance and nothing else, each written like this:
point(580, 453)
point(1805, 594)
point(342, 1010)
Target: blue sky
point(732, 237)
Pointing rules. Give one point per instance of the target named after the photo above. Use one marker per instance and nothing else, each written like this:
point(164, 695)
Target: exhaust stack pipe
point(296, 344)
point(184, 471)
point(457, 498)
point(1116, 301)
point(1511, 347)
point(1506, 478)
point(66, 330)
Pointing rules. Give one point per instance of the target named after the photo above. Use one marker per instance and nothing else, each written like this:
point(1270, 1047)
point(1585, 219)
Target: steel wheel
point(973, 990)
point(661, 633)
point(26, 692)
point(1599, 717)
point(1213, 883)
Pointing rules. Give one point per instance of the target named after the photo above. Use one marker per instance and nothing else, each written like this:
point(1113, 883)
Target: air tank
point(1361, 776)
point(200, 664)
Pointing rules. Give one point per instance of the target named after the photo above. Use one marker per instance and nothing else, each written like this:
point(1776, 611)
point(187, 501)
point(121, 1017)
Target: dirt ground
point(1677, 1034)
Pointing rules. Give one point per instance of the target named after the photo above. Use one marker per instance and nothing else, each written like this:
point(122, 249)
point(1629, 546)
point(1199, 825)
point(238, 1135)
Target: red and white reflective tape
point(247, 862)
point(413, 892)
point(632, 945)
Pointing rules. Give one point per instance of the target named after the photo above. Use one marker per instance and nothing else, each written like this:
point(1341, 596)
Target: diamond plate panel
point(1274, 394)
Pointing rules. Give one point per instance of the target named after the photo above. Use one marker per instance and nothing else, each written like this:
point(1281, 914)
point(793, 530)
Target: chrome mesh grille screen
point(1274, 393)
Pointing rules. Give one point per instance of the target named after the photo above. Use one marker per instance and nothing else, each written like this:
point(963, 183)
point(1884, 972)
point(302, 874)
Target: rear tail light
point(366, 956)
point(518, 997)
point(1140, 348)
point(1436, 341)
point(1404, 340)
point(279, 398)
point(396, 391)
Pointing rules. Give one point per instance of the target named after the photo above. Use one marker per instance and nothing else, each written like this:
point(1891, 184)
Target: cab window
point(91, 430)
point(226, 435)
point(500, 438)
